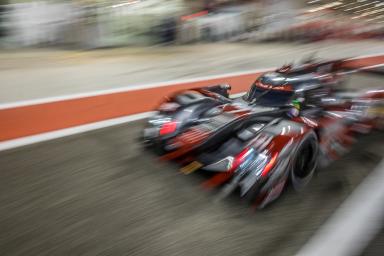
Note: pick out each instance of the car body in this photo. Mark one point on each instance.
(291, 121)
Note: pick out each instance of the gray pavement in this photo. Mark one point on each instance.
(376, 247)
(99, 193)
(39, 73)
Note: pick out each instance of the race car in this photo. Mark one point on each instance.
(190, 107)
(291, 121)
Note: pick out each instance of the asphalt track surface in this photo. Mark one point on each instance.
(99, 193)
(376, 247)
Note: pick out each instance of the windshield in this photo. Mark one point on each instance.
(273, 78)
(271, 89)
(268, 97)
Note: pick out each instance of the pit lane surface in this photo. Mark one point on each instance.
(376, 247)
(100, 194)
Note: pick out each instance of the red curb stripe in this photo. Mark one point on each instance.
(30, 120)
(365, 62)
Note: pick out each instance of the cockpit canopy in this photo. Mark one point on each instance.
(273, 79)
(270, 89)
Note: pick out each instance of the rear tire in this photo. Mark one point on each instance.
(305, 161)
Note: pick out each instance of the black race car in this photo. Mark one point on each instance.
(290, 121)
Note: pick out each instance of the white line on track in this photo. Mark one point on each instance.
(144, 86)
(366, 56)
(124, 89)
(364, 68)
(10, 144)
(354, 224)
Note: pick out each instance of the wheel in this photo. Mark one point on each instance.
(305, 161)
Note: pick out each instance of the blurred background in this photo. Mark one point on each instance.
(96, 24)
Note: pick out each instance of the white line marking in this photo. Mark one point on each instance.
(363, 68)
(373, 66)
(143, 86)
(354, 224)
(10, 144)
(366, 56)
(124, 89)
